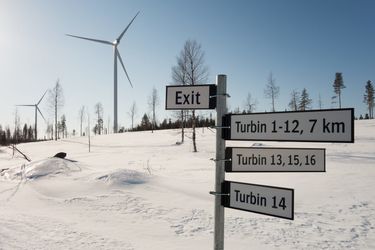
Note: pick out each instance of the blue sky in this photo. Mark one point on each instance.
(303, 43)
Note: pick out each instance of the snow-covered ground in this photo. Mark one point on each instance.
(143, 191)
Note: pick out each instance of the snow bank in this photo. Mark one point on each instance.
(124, 177)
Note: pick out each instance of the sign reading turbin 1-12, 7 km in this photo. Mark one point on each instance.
(331, 125)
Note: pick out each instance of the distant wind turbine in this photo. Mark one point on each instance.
(116, 56)
(36, 114)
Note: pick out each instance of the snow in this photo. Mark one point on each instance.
(143, 191)
(124, 177)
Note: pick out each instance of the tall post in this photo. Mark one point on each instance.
(115, 90)
(221, 109)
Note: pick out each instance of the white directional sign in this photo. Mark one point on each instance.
(268, 200)
(262, 159)
(333, 125)
(191, 97)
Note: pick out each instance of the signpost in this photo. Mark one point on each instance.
(268, 200)
(331, 125)
(180, 97)
(264, 159)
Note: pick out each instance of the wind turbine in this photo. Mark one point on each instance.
(36, 114)
(116, 56)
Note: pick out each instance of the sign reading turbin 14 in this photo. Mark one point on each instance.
(268, 200)
(191, 97)
(330, 125)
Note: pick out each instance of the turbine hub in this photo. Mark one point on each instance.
(116, 42)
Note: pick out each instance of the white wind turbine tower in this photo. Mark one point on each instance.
(116, 56)
(36, 114)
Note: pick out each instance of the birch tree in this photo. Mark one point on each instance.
(81, 114)
(132, 113)
(153, 101)
(272, 91)
(191, 67)
(250, 103)
(56, 102)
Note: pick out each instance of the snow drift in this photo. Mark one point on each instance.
(50, 167)
(124, 177)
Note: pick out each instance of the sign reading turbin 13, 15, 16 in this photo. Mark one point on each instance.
(330, 125)
(191, 97)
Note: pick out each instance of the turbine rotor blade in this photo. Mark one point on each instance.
(91, 39)
(122, 64)
(42, 97)
(127, 27)
(27, 105)
(41, 113)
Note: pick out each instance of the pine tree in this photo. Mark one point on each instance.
(369, 98)
(30, 134)
(99, 112)
(145, 123)
(293, 104)
(338, 85)
(305, 101)
(24, 132)
(8, 135)
(63, 126)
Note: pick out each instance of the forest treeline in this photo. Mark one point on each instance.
(26, 134)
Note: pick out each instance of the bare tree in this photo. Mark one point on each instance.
(272, 91)
(98, 109)
(294, 99)
(179, 76)
(320, 103)
(132, 113)
(56, 102)
(250, 104)
(108, 126)
(153, 101)
(81, 114)
(49, 130)
(191, 70)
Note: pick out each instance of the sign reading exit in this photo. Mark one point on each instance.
(191, 97)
